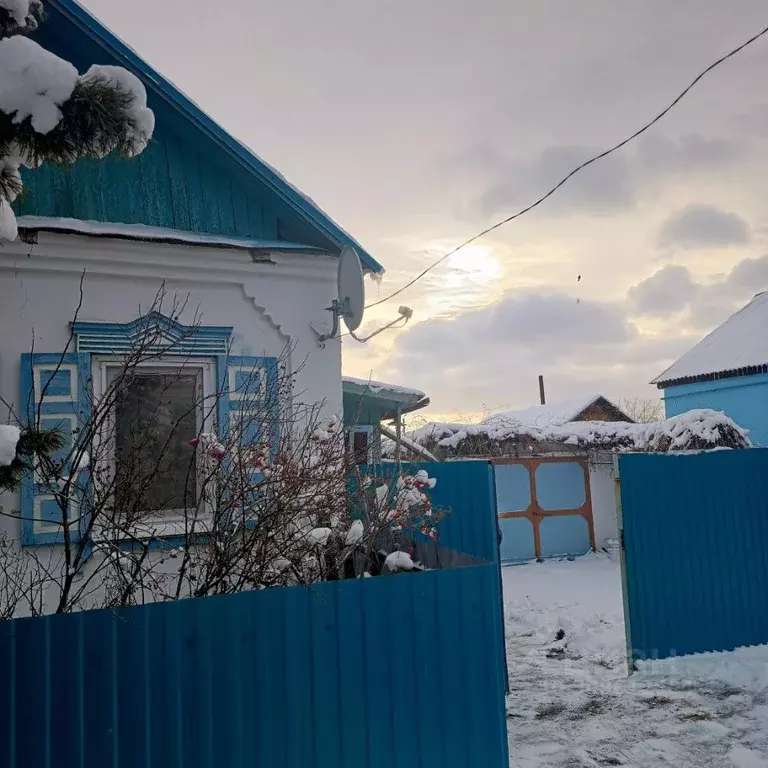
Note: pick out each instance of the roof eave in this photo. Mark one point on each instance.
(749, 370)
(397, 398)
(163, 87)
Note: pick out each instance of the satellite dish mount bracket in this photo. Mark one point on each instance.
(339, 308)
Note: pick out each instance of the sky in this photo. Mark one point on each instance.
(417, 124)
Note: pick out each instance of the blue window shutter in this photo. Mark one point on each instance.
(53, 396)
(249, 384)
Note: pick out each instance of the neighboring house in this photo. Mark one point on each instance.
(555, 471)
(366, 404)
(246, 263)
(587, 408)
(726, 371)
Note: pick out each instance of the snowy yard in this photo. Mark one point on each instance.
(572, 704)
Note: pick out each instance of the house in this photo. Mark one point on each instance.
(197, 248)
(554, 472)
(726, 371)
(367, 404)
(593, 407)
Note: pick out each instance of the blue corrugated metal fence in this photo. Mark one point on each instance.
(466, 489)
(389, 672)
(695, 531)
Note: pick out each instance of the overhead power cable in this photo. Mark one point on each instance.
(578, 168)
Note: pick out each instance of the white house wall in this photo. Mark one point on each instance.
(269, 305)
(602, 483)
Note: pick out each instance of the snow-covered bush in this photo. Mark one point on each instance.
(699, 429)
(50, 113)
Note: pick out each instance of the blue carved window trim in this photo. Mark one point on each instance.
(173, 337)
(170, 338)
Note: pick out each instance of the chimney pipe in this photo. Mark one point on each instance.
(542, 398)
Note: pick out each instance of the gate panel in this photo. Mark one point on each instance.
(564, 535)
(544, 507)
(695, 551)
(560, 485)
(564, 506)
(514, 505)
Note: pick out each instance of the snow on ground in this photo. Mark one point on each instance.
(572, 704)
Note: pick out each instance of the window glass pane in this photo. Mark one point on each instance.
(155, 418)
(361, 448)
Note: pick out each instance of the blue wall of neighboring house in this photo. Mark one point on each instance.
(743, 398)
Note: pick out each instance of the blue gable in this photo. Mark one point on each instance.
(193, 176)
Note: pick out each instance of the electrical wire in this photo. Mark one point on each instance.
(392, 324)
(578, 168)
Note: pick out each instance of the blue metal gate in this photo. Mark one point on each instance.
(695, 551)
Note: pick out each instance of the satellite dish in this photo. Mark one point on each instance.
(351, 288)
(350, 301)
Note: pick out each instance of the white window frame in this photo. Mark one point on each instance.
(165, 523)
(367, 429)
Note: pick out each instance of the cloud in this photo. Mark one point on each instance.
(601, 188)
(611, 184)
(553, 323)
(493, 355)
(704, 226)
(749, 275)
(673, 290)
(661, 155)
(669, 290)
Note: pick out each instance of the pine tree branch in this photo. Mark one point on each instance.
(95, 121)
(9, 25)
(32, 443)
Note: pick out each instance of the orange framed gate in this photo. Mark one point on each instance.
(544, 507)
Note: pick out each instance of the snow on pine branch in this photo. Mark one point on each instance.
(18, 10)
(9, 438)
(34, 83)
(141, 119)
(694, 430)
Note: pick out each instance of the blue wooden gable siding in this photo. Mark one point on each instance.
(169, 185)
(193, 176)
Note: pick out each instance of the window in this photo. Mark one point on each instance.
(358, 445)
(190, 384)
(159, 408)
(156, 415)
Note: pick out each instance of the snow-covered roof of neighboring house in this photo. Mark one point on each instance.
(146, 233)
(551, 413)
(694, 430)
(404, 395)
(737, 347)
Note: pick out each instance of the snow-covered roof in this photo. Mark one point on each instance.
(544, 415)
(382, 389)
(155, 234)
(739, 345)
(697, 429)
